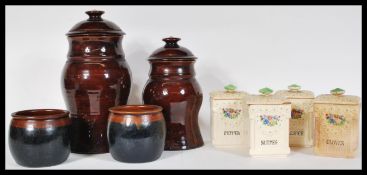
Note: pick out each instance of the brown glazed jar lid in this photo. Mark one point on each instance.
(95, 25)
(172, 51)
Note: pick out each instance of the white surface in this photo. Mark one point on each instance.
(208, 157)
(318, 47)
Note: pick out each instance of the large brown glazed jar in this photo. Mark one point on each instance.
(95, 78)
(173, 86)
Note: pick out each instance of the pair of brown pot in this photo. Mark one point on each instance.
(41, 137)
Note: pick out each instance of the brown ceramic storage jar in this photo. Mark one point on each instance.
(173, 86)
(95, 78)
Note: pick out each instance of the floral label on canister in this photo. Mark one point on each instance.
(231, 113)
(269, 120)
(335, 119)
(297, 113)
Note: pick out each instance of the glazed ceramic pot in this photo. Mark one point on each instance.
(269, 124)
(173, 86)
(229, 118)
(95, 78)
(136, 133)
(337, 124)
(40, 137)
(301, 124)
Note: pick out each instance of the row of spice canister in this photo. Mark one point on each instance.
(269, 124)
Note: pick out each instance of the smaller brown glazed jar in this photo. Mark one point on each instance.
(136, 133)
(172, 85)
(40, 137)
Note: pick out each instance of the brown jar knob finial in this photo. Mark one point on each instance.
(95, 15)
(171, 42)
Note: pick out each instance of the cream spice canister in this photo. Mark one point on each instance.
(229, 120)
(336, 124)
(269, 124)
(301, 124)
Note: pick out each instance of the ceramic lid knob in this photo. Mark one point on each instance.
(95, 15)
(171, 51)
(171, 42)
(266, 91)
(294, 87)
(230, 88)
(337, 91)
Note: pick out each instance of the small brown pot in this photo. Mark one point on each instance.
(40, 137)
(136, 133)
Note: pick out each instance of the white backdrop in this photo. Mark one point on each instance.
(318, 47)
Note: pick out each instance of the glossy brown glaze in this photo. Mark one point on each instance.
(40, 118)
(136, 114)
(173, 86)
(95, 78)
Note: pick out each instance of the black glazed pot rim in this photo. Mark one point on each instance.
(136, 109)
(40, 114)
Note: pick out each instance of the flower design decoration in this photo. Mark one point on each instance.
(231, 113)
(297, 113)
(270, 120)
(334, 119)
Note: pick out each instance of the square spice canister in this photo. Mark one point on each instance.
(336, 124)
(269, 124)
(301, 124)
(229, 120)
